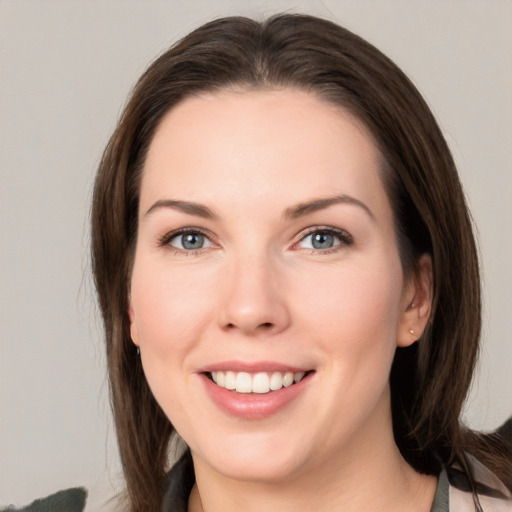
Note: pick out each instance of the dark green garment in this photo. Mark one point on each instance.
(68, 500)
(441, 498)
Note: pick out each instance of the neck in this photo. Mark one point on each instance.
(367, 474)
(403, 490)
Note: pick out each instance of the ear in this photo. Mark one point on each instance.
(134, 334)
(416, 303)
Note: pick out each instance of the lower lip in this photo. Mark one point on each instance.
(254, 406)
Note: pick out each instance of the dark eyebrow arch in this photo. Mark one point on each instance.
(189, 207)
(308, 207)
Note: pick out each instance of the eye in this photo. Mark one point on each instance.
(324, 239)
(188, 240)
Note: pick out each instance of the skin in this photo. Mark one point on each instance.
(258, 290)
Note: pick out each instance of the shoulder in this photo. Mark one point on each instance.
(454, 491)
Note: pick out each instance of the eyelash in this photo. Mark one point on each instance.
(165, 241)
(345, 240)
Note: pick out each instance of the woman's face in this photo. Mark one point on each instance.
(266, 253)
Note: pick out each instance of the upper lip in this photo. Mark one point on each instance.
(252, 367)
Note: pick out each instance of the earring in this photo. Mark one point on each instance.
(412, 331)
(138, 351)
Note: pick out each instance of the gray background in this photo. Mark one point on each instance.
(66, 68)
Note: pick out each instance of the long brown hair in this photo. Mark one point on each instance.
(429, 380)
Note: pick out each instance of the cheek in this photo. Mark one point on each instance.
(354, 309)
(169, 314)
(169, 307)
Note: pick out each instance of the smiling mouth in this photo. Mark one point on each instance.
(261, 382)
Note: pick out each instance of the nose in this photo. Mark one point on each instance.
(254, 297)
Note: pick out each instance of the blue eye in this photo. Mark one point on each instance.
(324, 239)
(189, 241)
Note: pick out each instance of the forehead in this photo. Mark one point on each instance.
(280, 144)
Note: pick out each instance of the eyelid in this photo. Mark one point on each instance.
(165, 240)
(344, 237)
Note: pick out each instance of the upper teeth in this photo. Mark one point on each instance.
(262, 382)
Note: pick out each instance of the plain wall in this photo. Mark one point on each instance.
(66, 68)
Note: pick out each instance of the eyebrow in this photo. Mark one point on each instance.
(189, 207)
(294, 212)
(308, 207)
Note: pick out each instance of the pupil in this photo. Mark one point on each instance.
(323, 240)
(192, 241)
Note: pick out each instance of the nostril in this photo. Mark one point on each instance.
(264, 326)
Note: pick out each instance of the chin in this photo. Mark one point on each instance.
(260, 469)
(254, 459)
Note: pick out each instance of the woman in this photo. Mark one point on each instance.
(288, 279)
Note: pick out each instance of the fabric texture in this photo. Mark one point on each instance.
(453, 492)
(441, 498)
(68, 500)
(492, 494)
